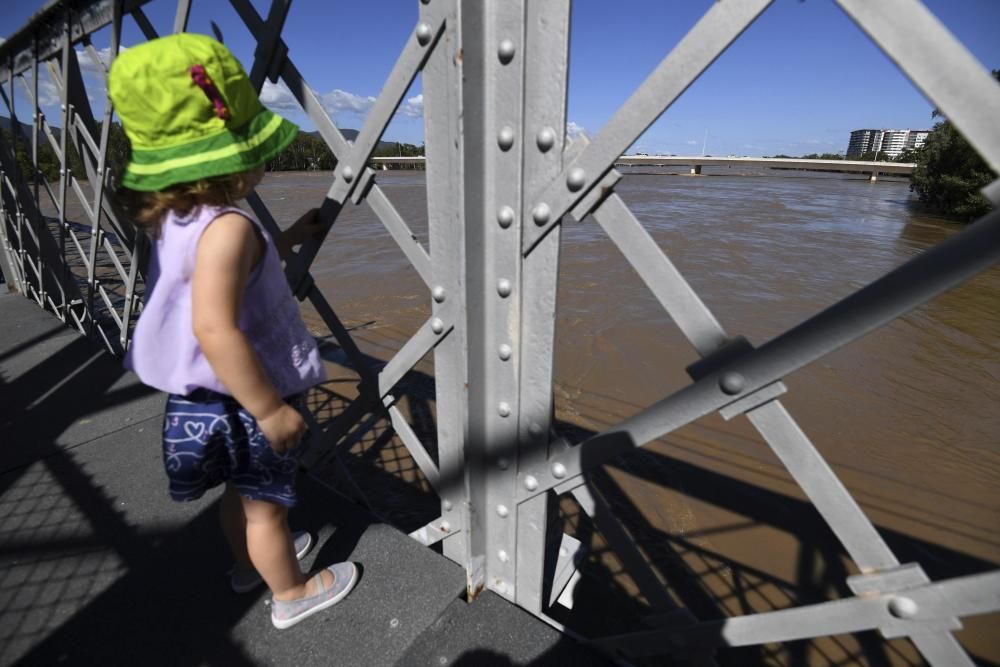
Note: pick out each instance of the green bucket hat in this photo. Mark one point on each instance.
(190, 112)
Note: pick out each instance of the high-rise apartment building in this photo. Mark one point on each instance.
(885, 143)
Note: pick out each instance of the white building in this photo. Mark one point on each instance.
(888, 144)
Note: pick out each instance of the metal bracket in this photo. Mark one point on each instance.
(434, 532)
(898, 580)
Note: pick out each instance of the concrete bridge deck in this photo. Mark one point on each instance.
(697, 162)
(98, 566)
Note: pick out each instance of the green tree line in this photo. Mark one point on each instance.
(950, 173)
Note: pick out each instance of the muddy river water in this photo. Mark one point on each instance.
(908, 417)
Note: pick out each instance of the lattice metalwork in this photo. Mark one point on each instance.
(500, 179)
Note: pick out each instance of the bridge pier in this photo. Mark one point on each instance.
(874, 177)
(696, 170)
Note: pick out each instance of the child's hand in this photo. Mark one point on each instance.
(306, 226)
(283, 428)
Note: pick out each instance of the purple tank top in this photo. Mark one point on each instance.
(164, 352)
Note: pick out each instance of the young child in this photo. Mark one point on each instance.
(220, 331)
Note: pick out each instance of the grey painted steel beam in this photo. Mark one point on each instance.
(543, 55)
(705, 42)
(904, 614)
(937, 64)
(46, 26)
(442, 85)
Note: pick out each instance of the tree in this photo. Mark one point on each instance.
(950, 173)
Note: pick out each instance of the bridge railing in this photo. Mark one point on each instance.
(500, 179)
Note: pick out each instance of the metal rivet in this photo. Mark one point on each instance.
(530, 483)
(558, 470)
(502, 555)
(504, 409)
(902, 607)
(445, 526)
(502, 511)
(447, 505)
(438, 294)
(501, 586)
(505, 216)
(505, 138)
(731, 382)
(423, 33)
(576, 178)
(546, 138)
(506, 51)
(505, 352)
(503, 287)
(347, 174)
(503, 463)
(540, 214)
(535, 430)
(437, 325)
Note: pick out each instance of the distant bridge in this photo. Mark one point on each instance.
(695, 163)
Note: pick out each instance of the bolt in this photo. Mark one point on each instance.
(447, 505)
(504, 409)
(546, 138)
(558, 470)
(505, 138)
(505, 352)
(503, 463)
(502, 511)
(530, 483)
(540, 214)
(731, 382)
(423, 34)
(503, 287)
(576, 178)
(505, 216)
(501, 586)
(438, 294)
(348, 174)
(502, 555)
(445, 526)
(902, 607)
(535, 430)
(506, 51)
(437, 325)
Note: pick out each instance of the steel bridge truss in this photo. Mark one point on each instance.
(501, 178)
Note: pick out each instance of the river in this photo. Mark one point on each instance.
(906, 416)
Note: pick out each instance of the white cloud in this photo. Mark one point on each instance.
(277, 97)
(340, 101)
(574, 129)
(413, 107)
(691, 142)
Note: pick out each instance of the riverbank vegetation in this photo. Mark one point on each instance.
(950, 173)
(307, 152)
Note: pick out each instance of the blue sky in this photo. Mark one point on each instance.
(797, 81)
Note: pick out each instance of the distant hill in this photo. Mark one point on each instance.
(351, 135)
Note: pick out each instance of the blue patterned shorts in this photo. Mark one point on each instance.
(208, 439)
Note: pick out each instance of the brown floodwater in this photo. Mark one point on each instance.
(907, 416)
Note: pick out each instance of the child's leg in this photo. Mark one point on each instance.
(269, 544)
(234, 527)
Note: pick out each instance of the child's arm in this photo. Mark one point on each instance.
(226, 253)
(306, 226)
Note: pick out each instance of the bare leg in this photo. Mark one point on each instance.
(234, 527)
(269, 544)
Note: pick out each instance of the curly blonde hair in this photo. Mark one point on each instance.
(147, 209)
